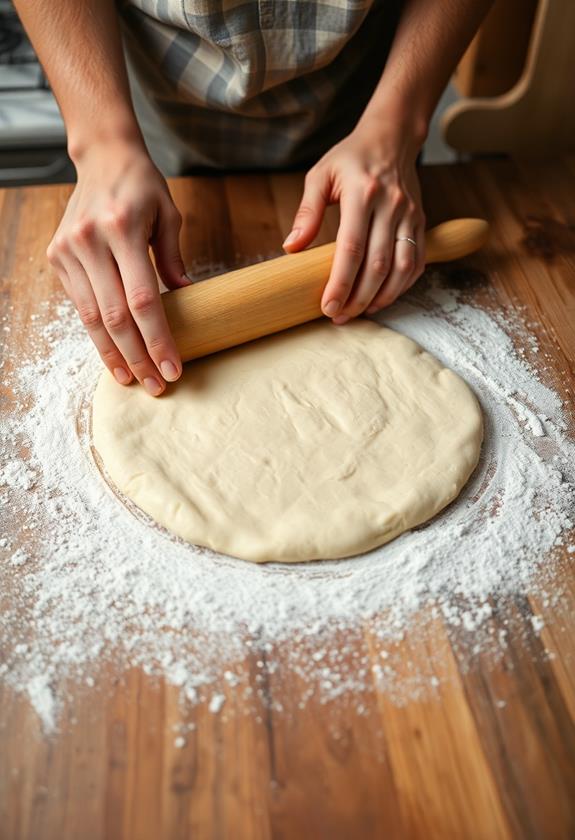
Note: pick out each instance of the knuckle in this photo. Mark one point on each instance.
(117, 219)
(396, 198)
(109, 355)
(371, 189)
(141, 300)
(411, 208)
(380, 265)
(158, 344)
(351, 247)
(116, 318)
(405, 265)
(142, 367)
(82, 231)
(51, 254)
(305, 211)
(89, 316)
(57, 247)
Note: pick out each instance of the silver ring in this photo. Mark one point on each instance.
(406, 239)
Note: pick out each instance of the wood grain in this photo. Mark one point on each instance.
(490, 753)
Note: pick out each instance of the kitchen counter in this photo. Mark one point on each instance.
(490, 754)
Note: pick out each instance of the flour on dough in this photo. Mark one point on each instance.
(319, 442)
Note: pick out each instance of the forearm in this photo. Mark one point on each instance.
(79, 45)
(431, 38)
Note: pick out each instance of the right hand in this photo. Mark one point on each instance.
(120, 205)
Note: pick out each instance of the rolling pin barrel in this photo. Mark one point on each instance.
(277, 294)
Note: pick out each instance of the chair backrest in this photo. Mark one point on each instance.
(537, 116)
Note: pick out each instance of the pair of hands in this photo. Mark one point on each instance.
(121, 206)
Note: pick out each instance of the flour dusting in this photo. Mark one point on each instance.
(87, 578)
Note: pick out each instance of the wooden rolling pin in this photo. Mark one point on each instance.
(281, 293)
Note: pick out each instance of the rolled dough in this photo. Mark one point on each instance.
(319, 442)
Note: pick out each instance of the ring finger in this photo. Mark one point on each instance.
(402, 270)
(420, 254)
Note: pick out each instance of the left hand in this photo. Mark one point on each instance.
(372, 174)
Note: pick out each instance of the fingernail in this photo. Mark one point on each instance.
(152, 386)
(291, 237)
(169, 370)
(122, 376)
(331, 308)
(185, 280)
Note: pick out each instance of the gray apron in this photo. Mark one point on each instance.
(253, 84)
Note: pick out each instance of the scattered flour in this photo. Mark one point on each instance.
(216, 703)
(87, 578)
(41, 696)
(16, 474)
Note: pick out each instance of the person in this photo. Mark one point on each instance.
(343, 88)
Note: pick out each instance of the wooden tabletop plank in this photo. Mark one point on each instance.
(488, 751)
(520, 710)
(557, 637)
(431, 740)
(521, 276)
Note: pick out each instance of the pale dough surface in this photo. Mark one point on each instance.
(319, 442)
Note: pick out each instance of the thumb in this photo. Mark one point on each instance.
(166, 247)
(309, 216)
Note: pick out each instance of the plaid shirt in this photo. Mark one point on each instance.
(258, 83)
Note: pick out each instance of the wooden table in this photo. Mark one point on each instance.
(455, 765)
